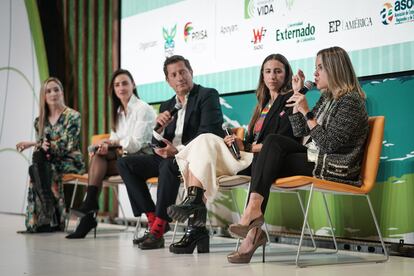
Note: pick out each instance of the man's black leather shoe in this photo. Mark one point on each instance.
(145, 236)
(141, 239)
(152, 242)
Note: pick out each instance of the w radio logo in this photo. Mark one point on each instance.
(387, 13)
(258, 34)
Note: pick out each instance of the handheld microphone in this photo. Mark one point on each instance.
(48, 138)
(233, 148)
(172, 111)
(308, 85)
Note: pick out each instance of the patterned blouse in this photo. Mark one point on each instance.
(65, 142)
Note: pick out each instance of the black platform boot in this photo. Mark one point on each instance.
(90, 204)
(86, 224)
(194, 236)
(192, 203)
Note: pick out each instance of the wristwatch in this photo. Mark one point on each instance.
(309, 116)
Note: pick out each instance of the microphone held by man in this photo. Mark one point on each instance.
(157, 138)
(158, 127)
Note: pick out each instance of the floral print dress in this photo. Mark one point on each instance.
(66, 157)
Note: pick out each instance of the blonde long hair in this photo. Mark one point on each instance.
(341, 73)
(263, 93)
(43, 107)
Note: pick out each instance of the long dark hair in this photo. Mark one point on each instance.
(263, 93)
(116, 102)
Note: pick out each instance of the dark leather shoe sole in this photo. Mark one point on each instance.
(150, 246)
(152, 243)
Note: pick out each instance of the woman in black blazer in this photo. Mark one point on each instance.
(208, 156)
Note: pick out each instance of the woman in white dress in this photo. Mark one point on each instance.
(208, 156)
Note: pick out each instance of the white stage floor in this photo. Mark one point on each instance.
(112, 253)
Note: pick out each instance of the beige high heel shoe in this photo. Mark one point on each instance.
(260, 239)
(240, 231)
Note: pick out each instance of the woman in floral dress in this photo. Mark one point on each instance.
(57, 152)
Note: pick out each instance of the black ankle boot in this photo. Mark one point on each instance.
(194, 236)
(192, 203)
(86, 224)
(90, 204)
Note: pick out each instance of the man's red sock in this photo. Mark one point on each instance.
(150, 218)
(158, 227)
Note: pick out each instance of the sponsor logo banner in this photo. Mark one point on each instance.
(299, 31)
(349, 24)
(256, 8)
(399, 12)
(191, 34)
(169, 44)
(258, 35)
(229, 29)
(143, 46)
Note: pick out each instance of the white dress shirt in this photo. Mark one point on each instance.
(179, 127)
(134, 131)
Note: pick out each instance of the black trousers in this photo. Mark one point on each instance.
(280, 156)
(136, 169)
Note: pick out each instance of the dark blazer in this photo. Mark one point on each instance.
(203, 114)
(276, 121)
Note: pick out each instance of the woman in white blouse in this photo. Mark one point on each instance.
(132, 124)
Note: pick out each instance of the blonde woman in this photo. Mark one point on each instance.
(337, 127)
(57, 151)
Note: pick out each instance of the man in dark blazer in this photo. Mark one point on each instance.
(200, 113)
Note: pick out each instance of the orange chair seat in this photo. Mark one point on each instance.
(152, 181)
(297, 181)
